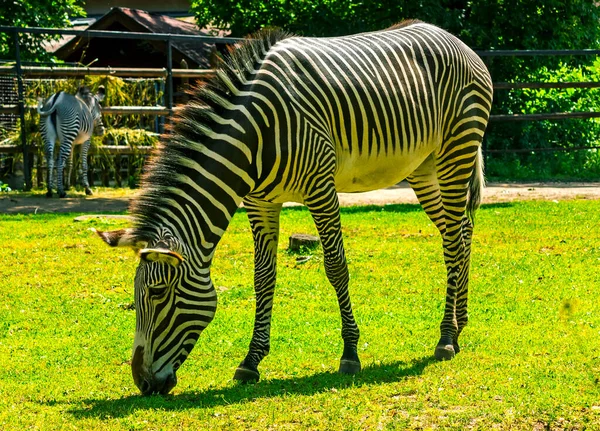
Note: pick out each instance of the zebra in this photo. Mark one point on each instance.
(71, 119)
(299, 119)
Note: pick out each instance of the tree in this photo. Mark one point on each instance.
(34, 13)
(481, 24)
(491, 24)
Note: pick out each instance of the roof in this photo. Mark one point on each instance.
(136, 20)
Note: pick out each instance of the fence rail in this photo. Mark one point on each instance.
(106, 110)
(167, 74)
(65, 72)
(122, 150)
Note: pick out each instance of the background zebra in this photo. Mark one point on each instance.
(298, 119)
(71, 120)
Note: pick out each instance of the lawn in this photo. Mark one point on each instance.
(530, 356)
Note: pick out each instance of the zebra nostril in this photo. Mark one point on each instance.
(145, 387)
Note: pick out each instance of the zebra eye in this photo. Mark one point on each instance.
(157, 289)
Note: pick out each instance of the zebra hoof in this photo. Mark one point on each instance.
(88, 191)
(349, 367)
(444, 352)
(246, 375)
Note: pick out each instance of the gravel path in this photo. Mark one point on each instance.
(402, 193)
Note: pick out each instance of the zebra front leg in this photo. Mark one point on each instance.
(264, 221)
(326, 214)
(84, 167)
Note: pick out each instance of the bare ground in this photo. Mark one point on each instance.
(402, 193)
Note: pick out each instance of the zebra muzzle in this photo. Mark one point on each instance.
(146, 382)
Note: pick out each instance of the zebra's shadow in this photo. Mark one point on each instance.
(240, 393)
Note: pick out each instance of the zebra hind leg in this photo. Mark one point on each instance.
(49, 144)
(50, 168)
(454, 188)
(264, 221)
(63, 154)
(84, 167)
(324, 209)
(444, 201)
(462, 295)
(69, 170)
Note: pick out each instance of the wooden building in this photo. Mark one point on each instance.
(102, 52)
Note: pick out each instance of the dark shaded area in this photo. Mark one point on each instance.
(241, 393)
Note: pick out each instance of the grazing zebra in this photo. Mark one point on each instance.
(71, 119)
(299, 119)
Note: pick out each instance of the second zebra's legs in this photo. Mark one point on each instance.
(85, 147)
(69, 170)
(64, 153)
(324, 208)
(264, 221)
(49, 151)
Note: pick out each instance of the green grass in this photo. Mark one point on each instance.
(530, 358)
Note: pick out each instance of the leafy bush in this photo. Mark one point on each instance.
(483, 25)
(561, 134)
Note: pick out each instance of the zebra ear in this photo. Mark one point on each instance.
(121, 238)
(162, 255)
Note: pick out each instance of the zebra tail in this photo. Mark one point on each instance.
(52, 108)
(476, 185)
(45, 113)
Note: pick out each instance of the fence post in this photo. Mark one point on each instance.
(169, 98)
(21, 105)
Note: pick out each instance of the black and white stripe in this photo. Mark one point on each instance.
(71, 120)
(300, 119)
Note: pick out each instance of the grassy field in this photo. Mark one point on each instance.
(530, 356)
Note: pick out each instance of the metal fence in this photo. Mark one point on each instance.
(16, 108)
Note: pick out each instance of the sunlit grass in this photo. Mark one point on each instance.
(530, 357)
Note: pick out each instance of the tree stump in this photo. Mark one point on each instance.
(299, 240)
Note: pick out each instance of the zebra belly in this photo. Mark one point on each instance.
(362, 173)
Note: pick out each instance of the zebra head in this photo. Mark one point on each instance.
(173, 303)
(92, 101)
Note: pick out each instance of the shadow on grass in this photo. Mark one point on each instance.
(241, 393)
(395, 208)
(497, 205)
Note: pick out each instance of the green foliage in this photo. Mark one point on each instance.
(532, 135)
(4, 188)
(483, 25)
(494, 24)
(35, 13)
(529, 356)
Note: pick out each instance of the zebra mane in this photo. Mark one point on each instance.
(405, 23)
(197, 119)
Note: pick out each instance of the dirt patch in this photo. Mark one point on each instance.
(42, 205)
(400, 194)
(493, 193)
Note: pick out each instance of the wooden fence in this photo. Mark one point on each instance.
(169, 73)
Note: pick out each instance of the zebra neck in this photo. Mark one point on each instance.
(191, 194)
